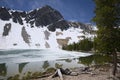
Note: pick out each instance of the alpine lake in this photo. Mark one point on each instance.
(26, 63)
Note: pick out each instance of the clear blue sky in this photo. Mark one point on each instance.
(76, 10)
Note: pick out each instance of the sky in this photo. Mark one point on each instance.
(73, 10)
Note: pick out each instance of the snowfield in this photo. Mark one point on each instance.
(37, 39)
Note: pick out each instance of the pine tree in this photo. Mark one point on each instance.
(107, 19)
(83, 45)
(86, 45)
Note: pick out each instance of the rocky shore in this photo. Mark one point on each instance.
(92, 73)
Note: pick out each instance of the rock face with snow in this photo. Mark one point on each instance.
(4, 14)
(43, 16)
(40, 28)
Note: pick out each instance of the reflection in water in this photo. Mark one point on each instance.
(3, 69)
(46, 64)
(22, 69)
(22, 63)
(21, 66)
(94, 59)
(36, 68)
(86, 60)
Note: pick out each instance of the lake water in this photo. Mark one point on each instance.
(14, 62)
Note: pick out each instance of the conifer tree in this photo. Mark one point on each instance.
(107, 19)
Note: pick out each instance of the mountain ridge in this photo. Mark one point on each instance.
(50, 27)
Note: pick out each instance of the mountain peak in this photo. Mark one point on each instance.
(40, 28)
(38, 17)
(44, 16)
(4, 13)
(48, 7)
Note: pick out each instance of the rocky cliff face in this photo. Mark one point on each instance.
(85, 27)
(42, 28)
(43, 16)
(4, 14)
(36, 18)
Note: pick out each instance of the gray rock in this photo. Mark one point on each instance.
(73, 73)
(25, 36)
(7, 29)
(47, 34)
(63, 25)
(16, 16)
(45, 16)
(4, 14)
(85, 27)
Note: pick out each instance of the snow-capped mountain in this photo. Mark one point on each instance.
(40, 28)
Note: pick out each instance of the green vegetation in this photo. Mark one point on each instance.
(21, 66)
(3, 69)
(83, 45)
(50, 70)
(46, 64)
(58, 65)
(30, 75)
(36, 74)
(16, 77)
(96, 59)
(107, 19)
(27, 76)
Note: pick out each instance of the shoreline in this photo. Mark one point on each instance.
(101, 73)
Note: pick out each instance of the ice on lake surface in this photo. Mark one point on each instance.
(21, 61)
(33, 55)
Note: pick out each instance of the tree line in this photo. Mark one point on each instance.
(83, 45)
(107, 41)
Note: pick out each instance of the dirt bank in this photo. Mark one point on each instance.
(103, 73)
